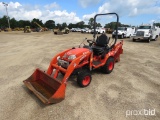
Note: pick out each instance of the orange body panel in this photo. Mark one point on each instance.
(115, 52)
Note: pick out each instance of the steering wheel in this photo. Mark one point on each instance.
(90, 41)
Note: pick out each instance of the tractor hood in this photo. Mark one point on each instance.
(77, 51)
(74, 53)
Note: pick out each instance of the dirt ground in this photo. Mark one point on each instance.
(133, 85)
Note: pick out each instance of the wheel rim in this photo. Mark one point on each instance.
(110, 67)
(86, 80)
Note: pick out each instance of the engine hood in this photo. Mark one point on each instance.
(74, 53)
(78, 51)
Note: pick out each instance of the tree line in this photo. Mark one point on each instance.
(50, 24)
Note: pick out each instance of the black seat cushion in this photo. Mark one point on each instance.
(101, 45)
(97, 50)
(102, 40)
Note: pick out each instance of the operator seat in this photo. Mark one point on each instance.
(101, 46)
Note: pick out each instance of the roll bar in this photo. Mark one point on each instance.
(94, 34)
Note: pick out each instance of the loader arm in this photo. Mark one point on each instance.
(54, 61)
(72, 66)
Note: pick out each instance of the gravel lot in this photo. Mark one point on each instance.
(134, 84)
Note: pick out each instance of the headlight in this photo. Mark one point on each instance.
(147, 34)
(71, 57)
(58, 57)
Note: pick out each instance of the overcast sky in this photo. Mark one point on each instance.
(132, 12)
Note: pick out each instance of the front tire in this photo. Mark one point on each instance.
(109, 66)
(149, 39)
(134, 40)
(84, 78)
(122, 36)
(156, 38)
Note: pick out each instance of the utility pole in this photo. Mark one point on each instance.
(5, 4)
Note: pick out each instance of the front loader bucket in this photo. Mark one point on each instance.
(46, 88)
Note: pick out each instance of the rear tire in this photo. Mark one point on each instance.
(109, 66)
(156, 38)
(84, 78)
(148, 40)
(122, 36)
(134, 40)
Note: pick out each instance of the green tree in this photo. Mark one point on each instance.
(33, 25)
(124, 25)
(80, 24)
(98, 25)
(13, 23)
(23, 23)
(112, 25)
(157, 24)
(50, 24)
(4, 22)
(70, 26)
(59, 26)
(91, 23)
(64, 25)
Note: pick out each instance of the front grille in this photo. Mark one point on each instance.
(140, 33)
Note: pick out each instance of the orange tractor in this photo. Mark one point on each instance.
(79, 61)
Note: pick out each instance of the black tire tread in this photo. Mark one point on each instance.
(105, 67)
(81, 76)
